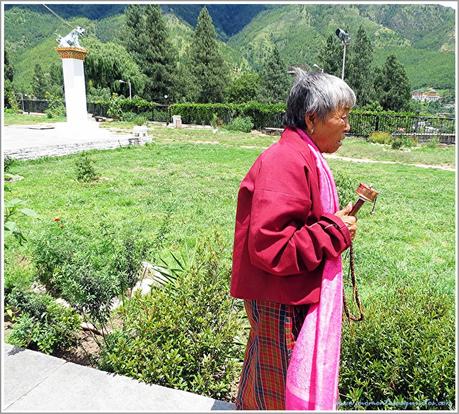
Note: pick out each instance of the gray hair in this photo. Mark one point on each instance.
(316, 93)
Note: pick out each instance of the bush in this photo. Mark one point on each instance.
(119, 105)
(433, 143)
(183, 334)
(8, 162)
(89, 271)
(56, 106)
(242, 124)
(404, 351)
(378, 137)
(42, 323)
(85, 168)
(397, 143)
(346, 188)
(262, 115)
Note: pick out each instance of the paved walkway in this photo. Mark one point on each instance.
(55, 139)
(35, 382)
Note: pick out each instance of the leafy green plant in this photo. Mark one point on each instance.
(85, 170)
(379, 137)
(402, 351)
(10, 228)
(183, 334)
(8, 163)
(56, 106)
(41, 323)
(345, 187)
(88, 271)
(242, 124)
(432, 143)
(214, 121)
(397, 143)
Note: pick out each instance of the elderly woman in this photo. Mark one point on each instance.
(288, 241)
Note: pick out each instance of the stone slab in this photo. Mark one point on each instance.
(24, 370)
(75, 388)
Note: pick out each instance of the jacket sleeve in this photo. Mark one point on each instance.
(279, 240)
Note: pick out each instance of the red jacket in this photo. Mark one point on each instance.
(282, 238)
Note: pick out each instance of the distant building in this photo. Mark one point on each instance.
(426, 96)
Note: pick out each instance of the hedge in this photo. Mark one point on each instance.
(363, 123)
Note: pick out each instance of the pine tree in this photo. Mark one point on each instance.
(208, 67)
(9, 71)
(40, 82)
(359, 70)
(274, 77)
(57, 79)
(392, 86)
(147, 40)
(331, 56)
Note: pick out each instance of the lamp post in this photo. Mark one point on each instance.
(345, 40)
(129, 84)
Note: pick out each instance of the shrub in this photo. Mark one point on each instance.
(118, 105)
(160, 116)
(404, 351)
(42, 323)
(262, 115)
(56, 106)
(346, 188)
(85, 170)
(12, 208)
(378, 137)
(242, 124)
(397, 143)
(404, 141)
(433, 142)
(8, 163)
(183, 334)
(89, 271)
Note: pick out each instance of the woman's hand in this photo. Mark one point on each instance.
(350, 221)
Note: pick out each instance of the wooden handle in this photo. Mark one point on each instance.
(356, 207)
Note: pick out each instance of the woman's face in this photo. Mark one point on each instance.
(329, 134)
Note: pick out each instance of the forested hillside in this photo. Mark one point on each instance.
(420, 36)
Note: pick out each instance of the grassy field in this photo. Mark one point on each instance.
(26, 119)
(197, 174)
(190, 178)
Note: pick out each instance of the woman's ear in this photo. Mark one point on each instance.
(309, 119)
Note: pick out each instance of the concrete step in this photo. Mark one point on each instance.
(35, 382)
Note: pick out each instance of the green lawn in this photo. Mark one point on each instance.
(190, 179)
(26, 119)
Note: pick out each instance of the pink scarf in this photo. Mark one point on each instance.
(312, 375)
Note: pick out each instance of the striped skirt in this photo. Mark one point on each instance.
(273, 332)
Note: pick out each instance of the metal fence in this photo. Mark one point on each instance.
(363, 124)
(32, 105)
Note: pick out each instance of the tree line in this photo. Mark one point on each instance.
(146, 57)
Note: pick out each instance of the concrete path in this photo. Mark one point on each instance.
(55, 139)
(35, 382)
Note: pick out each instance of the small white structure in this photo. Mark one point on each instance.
(72, 56)
(139, 135)
(177, 121)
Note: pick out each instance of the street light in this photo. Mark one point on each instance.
(318, 67)
(129, 84)
(345, 40)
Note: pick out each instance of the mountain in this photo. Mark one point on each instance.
(422, 36)
(228, 19)
(30, 36)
